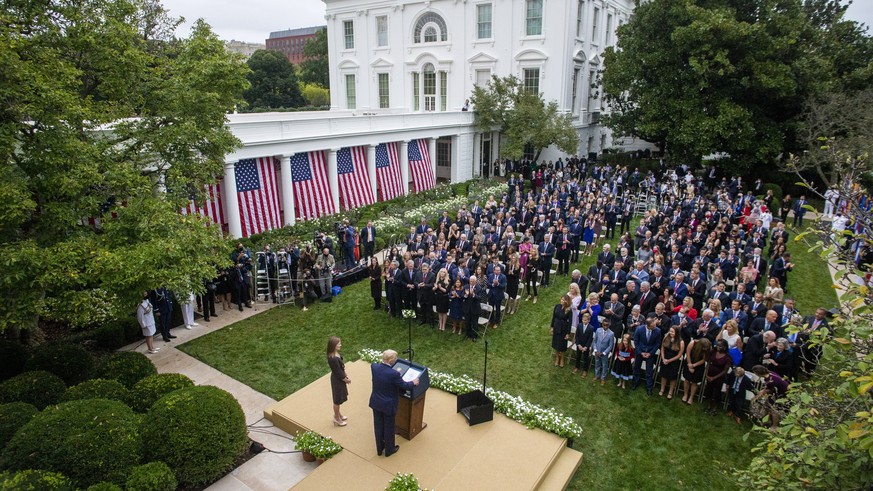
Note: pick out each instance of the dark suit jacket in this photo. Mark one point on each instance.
(650, 346)
(387, 384)
(647, 305)
(366, 236)
(753, 351)
(473, 303)
(607, 259)
(495, 292)
(584, 336)
(758, 326)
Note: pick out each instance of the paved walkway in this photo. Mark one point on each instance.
(267, 471)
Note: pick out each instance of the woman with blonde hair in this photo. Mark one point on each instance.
(773, 293)
(531, 275)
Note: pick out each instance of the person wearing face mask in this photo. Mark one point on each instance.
(146, 318)
(719, 364)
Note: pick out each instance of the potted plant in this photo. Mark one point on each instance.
(316, 447)
(403, 482)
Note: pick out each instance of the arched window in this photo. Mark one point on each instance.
(430, 28)
(430, 88)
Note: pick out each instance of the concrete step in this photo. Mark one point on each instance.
(562, 470)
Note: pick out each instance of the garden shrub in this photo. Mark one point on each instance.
(109, 336)
(127, 367)
(12, 417)
(198, 432)
(69, 361)
(777, 197)
(154, 476)
(39, 388)
(90, 441)
(104, 486)
(35, 480)
(13, 356)
(153, 387)
(98, 388)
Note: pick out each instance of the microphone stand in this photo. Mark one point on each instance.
(485, 374)
(410, 351)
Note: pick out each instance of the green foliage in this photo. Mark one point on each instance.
(101, 105)
(154, 476)
(315, 68)
(71, 362)
(112, 335)
(321, 447)
(198, 432)
(98, 388)
(38, 388)
(35, 480)
(127, 367)
(12, 417)
(403, 482)
(153, 387)
(90, 441)
(13, 356)
(104, 486)
(315, 95)
(777, 196)
(273, 82)
(525, 118)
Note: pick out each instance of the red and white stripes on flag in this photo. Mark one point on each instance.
(257, 192)
(212, 207)
(354, 181)
(309, 183)
(419, 166)
(388, 176)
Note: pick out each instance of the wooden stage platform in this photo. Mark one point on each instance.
(448, 455)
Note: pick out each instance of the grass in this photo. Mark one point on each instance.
(630, 441)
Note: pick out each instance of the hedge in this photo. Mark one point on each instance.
(90, 441)
(69, 361)
(12, 417)
(153, 387)
(104, 486)
(13, 356)
(38, 388)
(127, 367)
(154, 476)
(35, 480)
(98, 388)
(199, 432)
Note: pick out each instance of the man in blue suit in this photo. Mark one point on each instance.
(496, 284)
(387, 384)
(647, 341)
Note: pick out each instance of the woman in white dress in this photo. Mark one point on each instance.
(145, 315)
(730, 333)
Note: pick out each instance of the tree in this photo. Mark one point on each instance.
(315, 95)
(315, 68)
(105, 119)
(698, 78)
(273, 82)
(525, 118)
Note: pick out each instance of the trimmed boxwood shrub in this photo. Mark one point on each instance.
(154, 476)
(35, 480)
(152, 388)
(104, 486)
(38, 388)
(90, 441)
(127, 367)
(12, 417)
(13, 356)
(98, 388)
(198, 432)
(68, 361)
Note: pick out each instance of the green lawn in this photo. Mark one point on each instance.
(630, 441)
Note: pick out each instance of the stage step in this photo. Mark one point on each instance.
(562, 471)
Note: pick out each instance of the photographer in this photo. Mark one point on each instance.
(268, 261)
(324, 266)
(306, 262)
(348, 241)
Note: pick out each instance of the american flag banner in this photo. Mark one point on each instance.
(212, 207)
(354, 181)
(419, 166)
(388, 176)
(256, 190)
(312, 197)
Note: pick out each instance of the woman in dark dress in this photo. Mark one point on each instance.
(719, 363)
(375, 282)
(339, 381)
(695, 357)
(441, 297)
(513, 273)
(671, 354)
(456, 306)
(560, 329)
(784, 208)
(623, 367)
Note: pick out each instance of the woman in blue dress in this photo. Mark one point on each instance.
(456, 306)
(592, 306)
(588, 234)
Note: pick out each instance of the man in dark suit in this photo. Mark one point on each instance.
(647, 341)
(705, 327)
(785, 311)
(736, 313)
(496, 288)
(611, 219)
(606, 257)
(547, 252)
(595, 275)
(163, 302)
(407, 280)
(614, 311)
(755, 349)
(647, 300)
(368, 237)
(769, 323)
(394, 289)
(780, 268)
(424, 281)
(474, 296)
(581, 280)
(387, 384)
(809, 355)
(697, 290)
(719, 294)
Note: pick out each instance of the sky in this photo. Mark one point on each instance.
(253, 20)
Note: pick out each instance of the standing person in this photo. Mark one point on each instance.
(163, 302)
(513, 276)
(799, 209)
(424, 291)
(647, 340)
(188, 311)
(224, 288)
(531, 275)
(208, 298)
(146, 318)
(695, 356)
(584, 339)
(349, 240)
(496, 291)
(387, 384)
(560, 329)
(456, 306)
(671, 355)
(474, 295)
(368, 237)
(719, 363)
(375, 282)
(784, 208)
(324, 266)
(339, 380)
(602, 346)
(441, 288)
(546, 253)
(624, 359)
(737, 385)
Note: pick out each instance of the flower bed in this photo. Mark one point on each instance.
(321, 447)
(527, 413)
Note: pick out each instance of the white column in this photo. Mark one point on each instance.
(371, 169)
(495, 139)
(404, 165)
(287, 191)
(231, 200)
(333, 178)
(431, 148)
(477, 155)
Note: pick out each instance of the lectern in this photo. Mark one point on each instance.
(410, 411)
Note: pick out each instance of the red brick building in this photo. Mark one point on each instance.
(291, 41)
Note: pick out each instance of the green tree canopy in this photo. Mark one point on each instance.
(314, 69)
(273, 82)
(525, 118)
(102, 113)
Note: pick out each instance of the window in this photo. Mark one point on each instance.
(429, 87)
(595, 36)
(384, 99)
(444, 81)
(532, 80)
(430, 28)
(608, 29)
(349, 33)
(483, 21)
(416, 91)
(529, 151)
(580, 16)
(592, 89)
(483, 77)
(444, 153)
(382, 30)
(351, 99)
(534, 17)
(575, 83)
